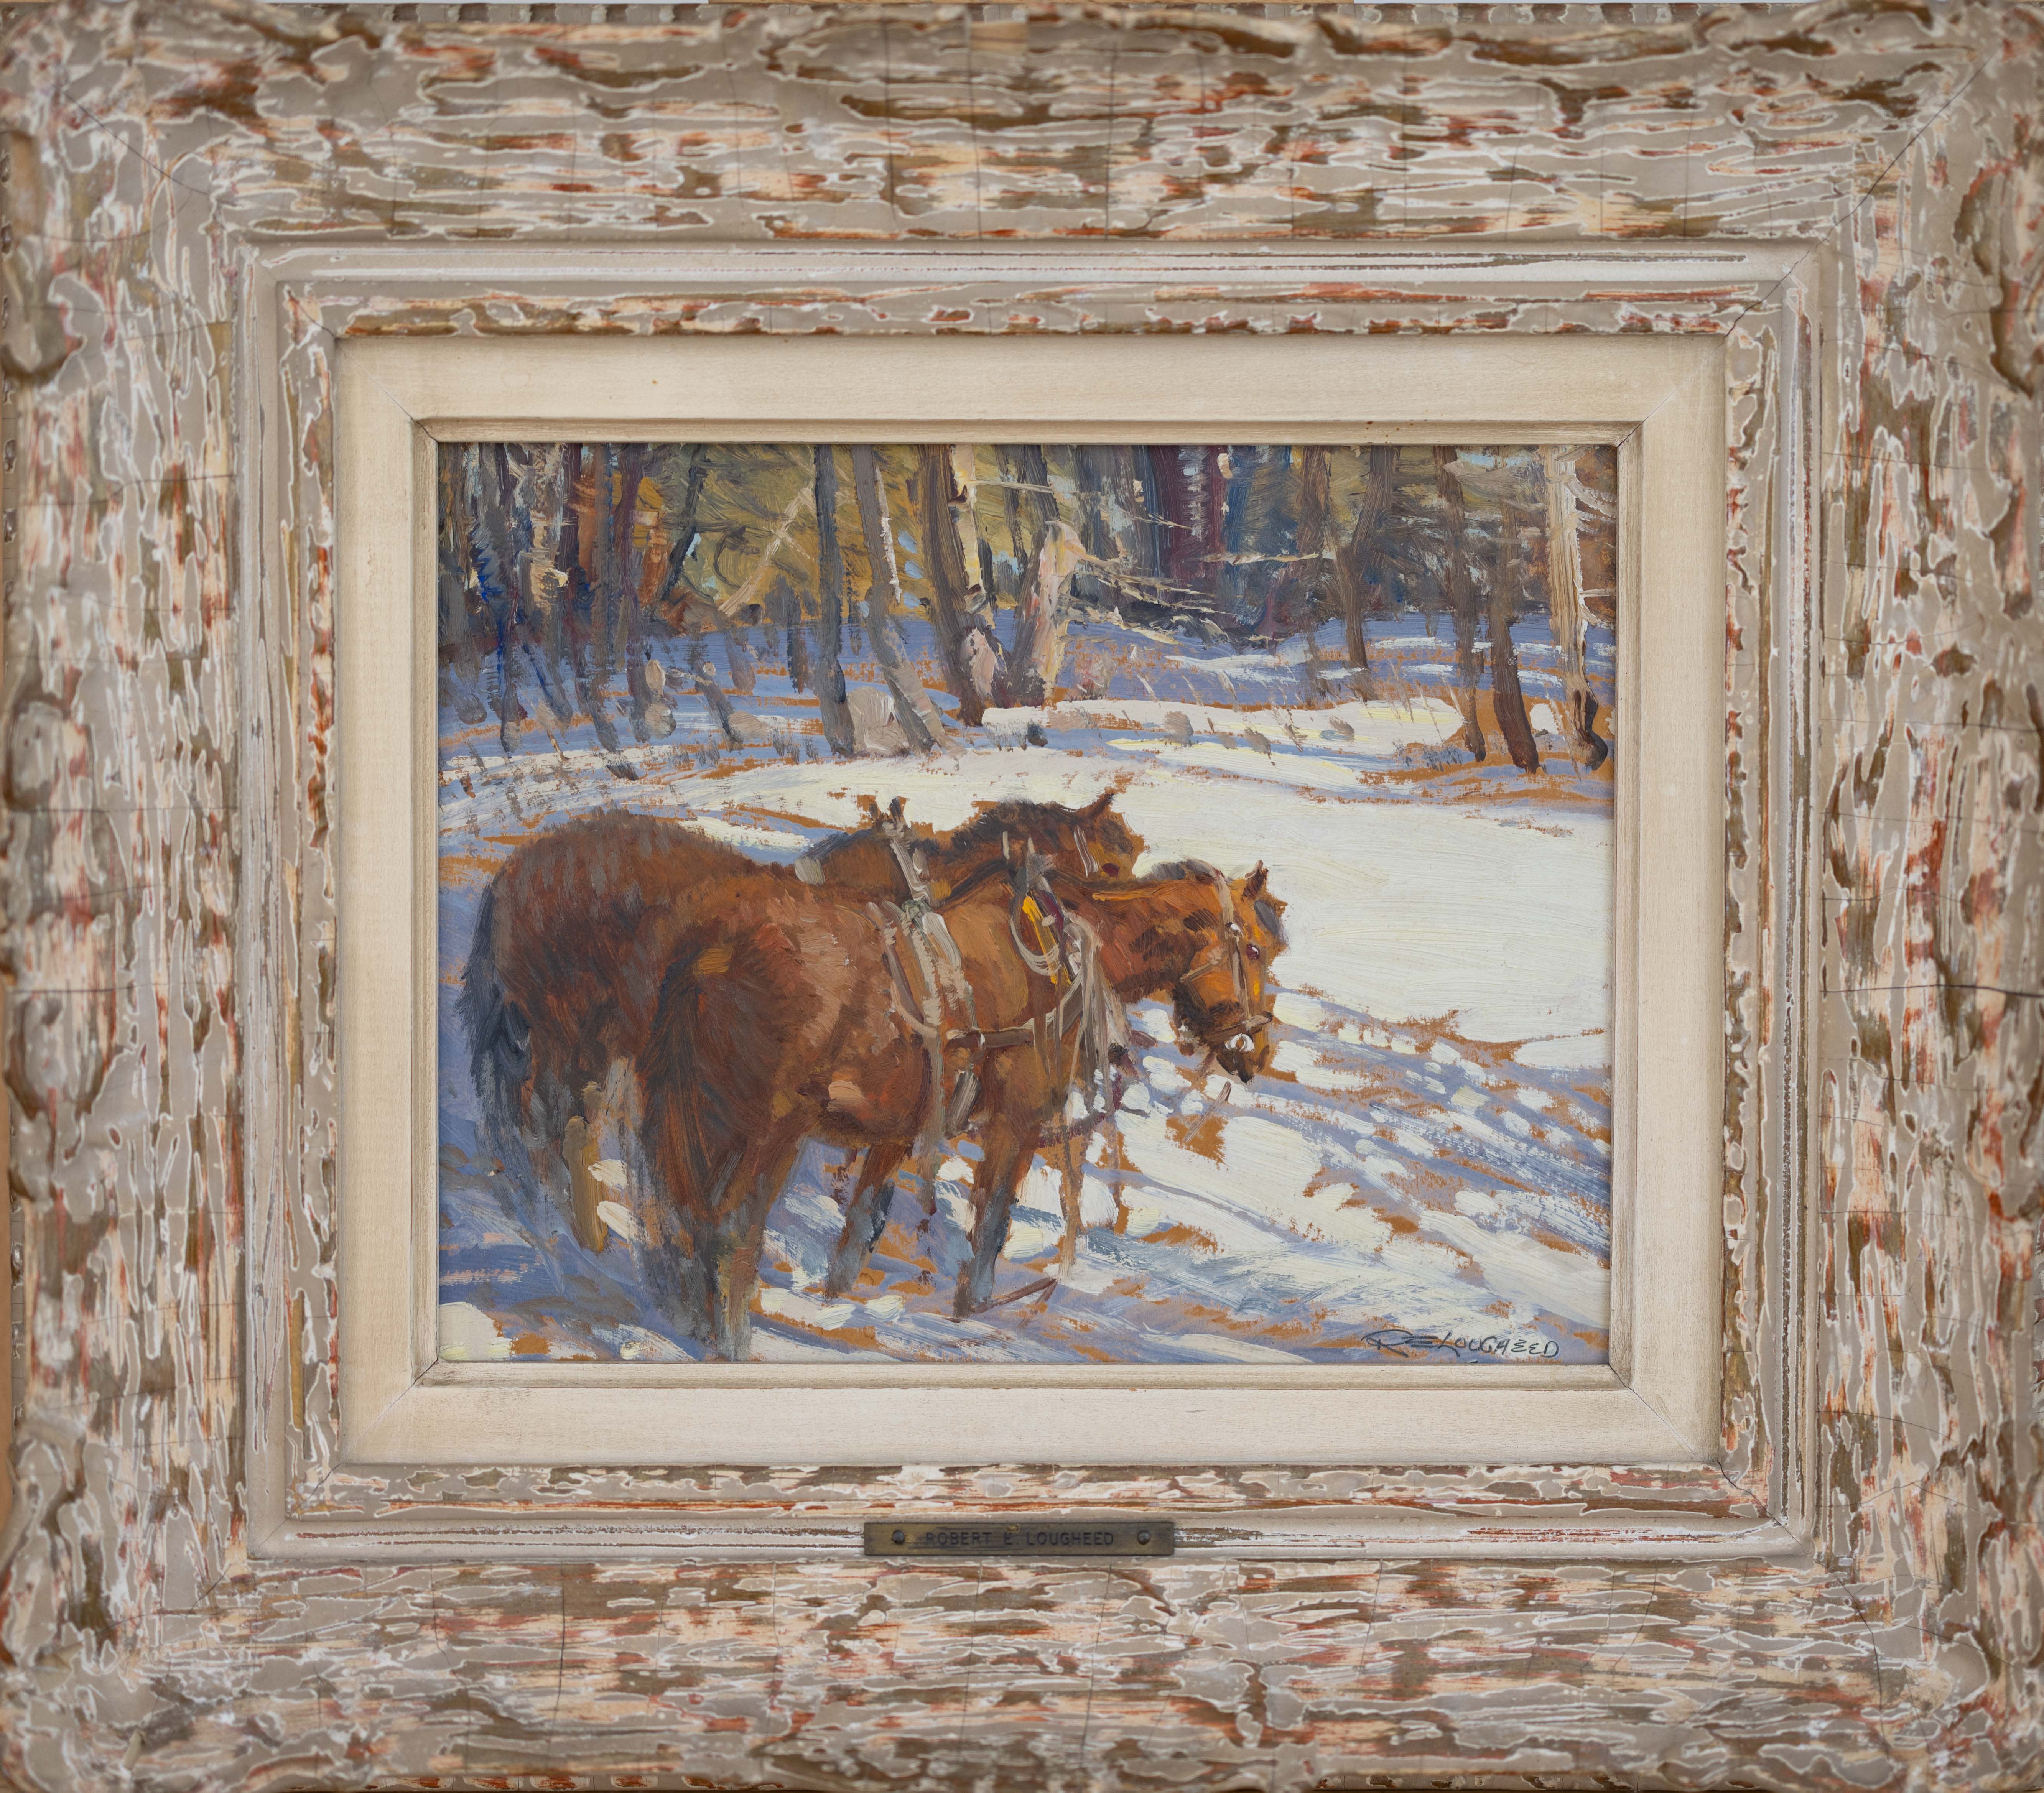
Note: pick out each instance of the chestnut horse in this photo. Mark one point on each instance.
(785, 1013)
(558, 984)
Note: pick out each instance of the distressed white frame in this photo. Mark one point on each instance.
(1661, 398)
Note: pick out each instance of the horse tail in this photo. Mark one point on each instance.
(500, 1042)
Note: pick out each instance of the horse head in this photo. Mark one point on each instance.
(1223, 1003)
(1092, 842)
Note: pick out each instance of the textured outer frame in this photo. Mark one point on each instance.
(169, 1069)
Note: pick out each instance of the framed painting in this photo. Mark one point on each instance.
(661, 663)
(859, 973)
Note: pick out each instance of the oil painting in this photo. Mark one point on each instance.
(1026, 903)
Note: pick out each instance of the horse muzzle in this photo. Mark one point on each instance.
(1246, 1051)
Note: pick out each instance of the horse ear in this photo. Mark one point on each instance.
(1098, 807)
(1253, 886)
(869, 807)
(898, 807)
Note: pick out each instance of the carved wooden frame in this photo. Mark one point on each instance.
(1847, 1597)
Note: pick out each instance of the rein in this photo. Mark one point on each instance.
(1057, 947)
(918, 924)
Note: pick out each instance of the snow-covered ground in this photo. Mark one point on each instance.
(1424, 1174)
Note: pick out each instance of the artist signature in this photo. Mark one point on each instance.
(1400, 1343)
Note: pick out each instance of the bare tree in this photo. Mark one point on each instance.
(499, 565)
(951, 553)
(1354, 560)
(461, 668)
(593, 654)
(1309, 532)
(787, 610)
(679, 606)
(1507, 699)
(1026, 497)
(830, 601)
(918, 717)
(1462, 602)
(624, 565)
(1566, 608)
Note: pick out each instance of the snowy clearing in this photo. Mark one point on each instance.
(1424, 1174)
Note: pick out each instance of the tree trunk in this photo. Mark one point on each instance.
(830, 609)
(1353, 575)
(461, 661)
(917, 715)
(1462, 602)
(1038, 649)
(707, 688)
(1031, 509)
(681, 529)
(500, 566)
(592, 665)
(739, 658)
(1174, 508)
(1565, 607)
(951, 552)
(787, 607)
(578, 600)
(1099, 473)
(1232, 476)
(627, 566)
(1506, 697)
(544, 497)
(1147, 545)
(1100, 476)
(1299, 592)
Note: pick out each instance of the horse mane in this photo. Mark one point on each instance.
(1009, 816)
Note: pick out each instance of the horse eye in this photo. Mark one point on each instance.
(1111, 869)
(1253, 950)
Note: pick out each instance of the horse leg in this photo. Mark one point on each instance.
(865, 1217)
(1007, 1145)
(1071, 1192)
(730, 1252)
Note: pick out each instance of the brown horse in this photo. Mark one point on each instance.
(785, 1013)
(564, 965)
(1092, 842)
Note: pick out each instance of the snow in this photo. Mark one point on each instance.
(1428, 1160)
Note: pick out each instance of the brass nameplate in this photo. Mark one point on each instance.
(1050, 1535)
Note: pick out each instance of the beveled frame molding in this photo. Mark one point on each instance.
(425, 1417)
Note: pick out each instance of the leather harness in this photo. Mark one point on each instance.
(915, 929)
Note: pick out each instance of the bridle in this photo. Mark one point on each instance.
(1225, 960)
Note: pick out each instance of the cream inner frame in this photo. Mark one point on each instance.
(1660, 399)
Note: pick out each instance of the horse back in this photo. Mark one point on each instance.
(574, 930)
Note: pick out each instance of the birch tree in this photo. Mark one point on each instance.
(918, 717)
